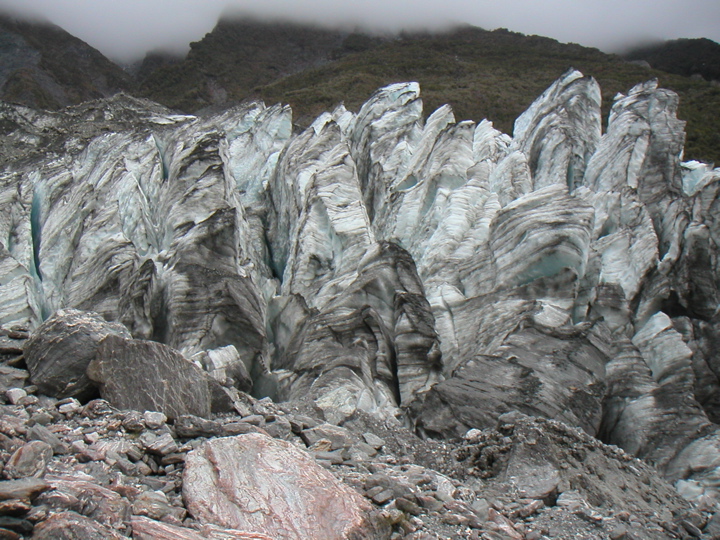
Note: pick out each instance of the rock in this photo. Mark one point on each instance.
(12, 378)
(59, 351)
(26, 488)
(192, 426)
(39, 432)
(15, 507)
(14, 395)
(133, 421)
(17, 525)
(339, 437)
(148, 376)
(225, 366)
(373, 440)
(6, 534)
(162, 446)
(303, 501)
(154, 419)
(148, 529)
(89, 499)
(72, 526)
(29, 460)
(155, 505)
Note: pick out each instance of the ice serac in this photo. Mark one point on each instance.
(538, 370)
(384, 132)
(560, 130)
(386, 262)
(374, 346)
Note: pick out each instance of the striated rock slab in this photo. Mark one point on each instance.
(59, 351)
(255, 483)
(149, 376)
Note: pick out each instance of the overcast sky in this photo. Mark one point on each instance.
(125, 29)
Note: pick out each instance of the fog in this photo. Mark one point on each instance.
(126, 30)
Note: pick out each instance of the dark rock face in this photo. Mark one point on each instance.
(44, 66)
(58, 354)
(149, 376)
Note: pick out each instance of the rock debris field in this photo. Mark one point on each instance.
(385, 326)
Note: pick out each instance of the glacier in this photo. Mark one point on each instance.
(387, 262)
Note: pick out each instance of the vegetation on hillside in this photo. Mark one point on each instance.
(687, 57)
(482, 74)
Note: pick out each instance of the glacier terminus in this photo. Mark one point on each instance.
(424, 268)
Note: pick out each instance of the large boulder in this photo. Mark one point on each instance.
(255, 483)
(149, 376)
(59, 351)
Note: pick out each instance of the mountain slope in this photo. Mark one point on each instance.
(43, 66)
(686, 57)
(238, 56)
(482, 74)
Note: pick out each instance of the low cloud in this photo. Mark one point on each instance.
(126, 30)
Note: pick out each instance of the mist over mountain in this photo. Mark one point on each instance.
(43, 66)
(482, 74)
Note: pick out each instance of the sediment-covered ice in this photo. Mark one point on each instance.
(385, 261)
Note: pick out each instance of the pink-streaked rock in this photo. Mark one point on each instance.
(148, 529)
(255, 483)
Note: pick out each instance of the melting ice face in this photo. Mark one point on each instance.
(379, 260)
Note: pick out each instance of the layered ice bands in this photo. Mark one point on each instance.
(392, 262)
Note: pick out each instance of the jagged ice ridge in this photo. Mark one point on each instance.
(385, 262)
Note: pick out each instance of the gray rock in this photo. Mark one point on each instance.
(26, 488)
(148, 376)
(11, 377)
(192, 426)
(39, 432)
(14, 395)
(71, 526)
(31, 459)
(339, 437)
(154, 419)
(59, 351)
(225, 366)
